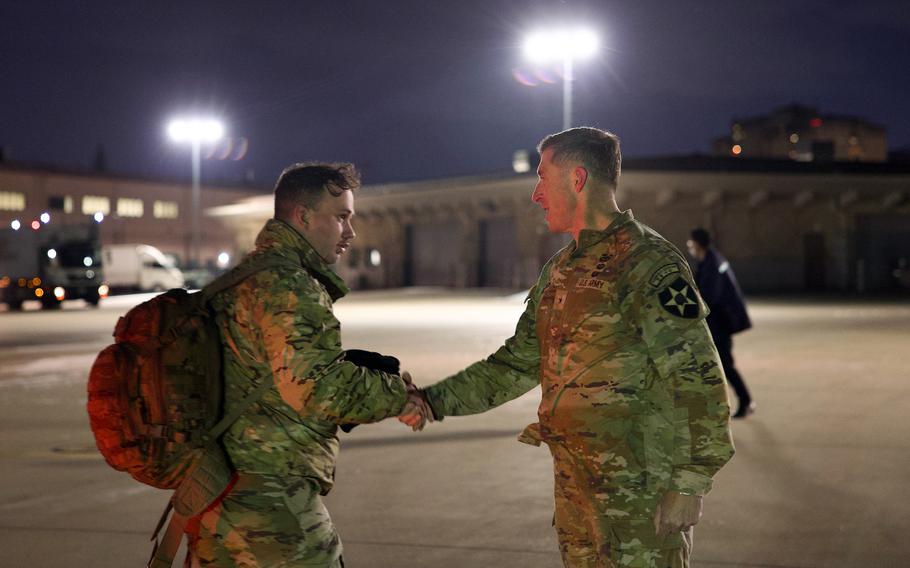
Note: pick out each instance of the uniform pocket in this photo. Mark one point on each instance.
(634, 543)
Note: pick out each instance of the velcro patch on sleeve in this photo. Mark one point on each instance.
(662, 273)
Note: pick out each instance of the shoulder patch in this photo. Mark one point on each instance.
(679, 299)
(662, 273)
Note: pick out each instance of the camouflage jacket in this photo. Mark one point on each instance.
(614, 334)
(279, 324)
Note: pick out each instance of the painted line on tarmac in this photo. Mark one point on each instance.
(109, 496)
(63, 346)
(69, 530)
(554, 553)
(413, 438)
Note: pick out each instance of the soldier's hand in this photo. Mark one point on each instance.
(416, 412)
(408, 382)
(676, 512)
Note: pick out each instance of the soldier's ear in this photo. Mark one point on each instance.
(579, 178)
(302, 214)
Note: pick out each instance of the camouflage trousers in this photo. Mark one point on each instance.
(592, 534)
(266, 522)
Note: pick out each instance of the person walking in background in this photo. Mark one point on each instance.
(720, 290)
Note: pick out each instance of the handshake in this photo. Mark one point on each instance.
(416, 412)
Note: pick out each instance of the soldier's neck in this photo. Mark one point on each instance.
(595, 217)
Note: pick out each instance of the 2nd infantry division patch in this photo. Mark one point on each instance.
(679, 299)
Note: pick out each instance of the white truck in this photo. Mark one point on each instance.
(141, 267)
(50, 263)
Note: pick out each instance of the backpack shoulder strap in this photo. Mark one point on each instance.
(240, 273)
(228, 420)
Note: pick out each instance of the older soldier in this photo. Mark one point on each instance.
(278, 325)
(634, 407)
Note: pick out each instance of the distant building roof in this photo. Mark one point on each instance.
(42, 168)
(801, 111)
(705, 163)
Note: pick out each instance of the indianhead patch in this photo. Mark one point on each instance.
(679, 299)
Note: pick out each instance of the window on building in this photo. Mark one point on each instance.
(92, 204)
(165, 209)
(60, 203)
(12, 201)
(128, 207)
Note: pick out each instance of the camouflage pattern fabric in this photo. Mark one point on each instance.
(267, 521)
(279, 324)
(633, 403)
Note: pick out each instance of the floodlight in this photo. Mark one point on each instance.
(559, 45)
(195, 130)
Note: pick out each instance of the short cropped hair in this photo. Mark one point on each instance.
(702, 237)
(306, 184)
(597, 150)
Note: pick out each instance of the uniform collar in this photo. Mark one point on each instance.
(279, 238)
(590, 237)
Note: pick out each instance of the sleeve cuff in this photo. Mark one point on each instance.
(435, 404)
(690, 483)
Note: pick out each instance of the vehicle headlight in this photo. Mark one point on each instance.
(103, 291)
(59, 293)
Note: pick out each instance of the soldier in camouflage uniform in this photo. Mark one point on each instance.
(278, 324)
(634, 407)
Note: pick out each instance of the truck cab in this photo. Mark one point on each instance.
(50, 264)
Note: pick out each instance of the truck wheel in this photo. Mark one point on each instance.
(93, 301)
(15, 305)
(50, 303)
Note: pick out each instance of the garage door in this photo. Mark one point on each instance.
(498, 261)
(433, 254)
(881, 242)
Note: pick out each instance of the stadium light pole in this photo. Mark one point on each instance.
(565, 45)
(195, 131)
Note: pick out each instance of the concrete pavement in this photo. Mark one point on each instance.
(819, 480)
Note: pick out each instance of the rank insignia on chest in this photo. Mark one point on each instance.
(559, 301)
(679, 299)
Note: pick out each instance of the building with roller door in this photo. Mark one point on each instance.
(787, 226)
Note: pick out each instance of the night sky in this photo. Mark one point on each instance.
(424, 89)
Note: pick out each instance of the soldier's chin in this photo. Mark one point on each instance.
(330, 258)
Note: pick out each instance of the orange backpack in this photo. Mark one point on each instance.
(155, 401)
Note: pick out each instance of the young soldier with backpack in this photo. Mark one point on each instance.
(250, 465)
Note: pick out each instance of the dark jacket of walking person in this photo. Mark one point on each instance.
(720, 290)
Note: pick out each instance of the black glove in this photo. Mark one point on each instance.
(374, 361)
